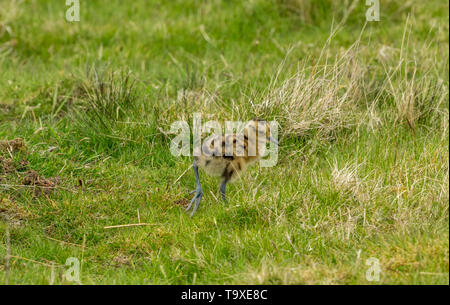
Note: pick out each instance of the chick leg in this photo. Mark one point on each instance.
(198, 193)
(223, 188)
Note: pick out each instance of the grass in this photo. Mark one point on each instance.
(363, 164)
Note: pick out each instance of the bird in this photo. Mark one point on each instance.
(229, 155)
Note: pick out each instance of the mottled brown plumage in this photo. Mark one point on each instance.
(229, 155)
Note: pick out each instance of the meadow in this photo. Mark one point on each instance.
(363, 165)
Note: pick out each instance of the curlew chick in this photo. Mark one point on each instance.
(229, 155)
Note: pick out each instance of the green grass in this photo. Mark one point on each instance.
(363, 163)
